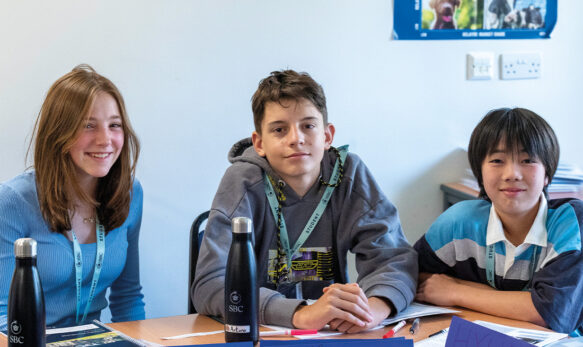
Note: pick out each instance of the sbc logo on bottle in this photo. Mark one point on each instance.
(235, 299)
(15, 330)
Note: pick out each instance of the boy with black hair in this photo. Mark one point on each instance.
(310, 204)
(513, 253)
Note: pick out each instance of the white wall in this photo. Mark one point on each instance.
(187, 70)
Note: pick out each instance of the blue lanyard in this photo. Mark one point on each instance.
(96, 271)
(316, 215)
(491, 265)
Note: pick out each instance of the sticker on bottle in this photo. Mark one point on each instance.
(238, 329)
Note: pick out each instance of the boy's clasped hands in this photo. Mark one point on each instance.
(350, 309)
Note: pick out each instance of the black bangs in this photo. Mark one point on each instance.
(517, 133)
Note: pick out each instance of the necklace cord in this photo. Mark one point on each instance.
(281, 269)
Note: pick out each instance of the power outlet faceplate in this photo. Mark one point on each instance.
(515, 66)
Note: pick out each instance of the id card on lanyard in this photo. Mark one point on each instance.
(491, 265)
(314, 218)
(96, 271)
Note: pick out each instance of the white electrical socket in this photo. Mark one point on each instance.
(515, 66)
(480, 65)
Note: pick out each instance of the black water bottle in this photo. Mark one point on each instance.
(26, 303)
(241, 291)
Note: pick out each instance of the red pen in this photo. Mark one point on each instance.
(289, 332)
(393, 331)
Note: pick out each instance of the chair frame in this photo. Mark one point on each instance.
(196, 236)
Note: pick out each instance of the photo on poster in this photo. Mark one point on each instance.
(514, 14)
(473, 19)
(452, 14)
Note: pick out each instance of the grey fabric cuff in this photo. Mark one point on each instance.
(280, 310)
(393, 295)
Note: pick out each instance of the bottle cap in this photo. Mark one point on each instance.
(25, 248)
(242, 225)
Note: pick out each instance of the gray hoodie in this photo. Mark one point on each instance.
(358, 218)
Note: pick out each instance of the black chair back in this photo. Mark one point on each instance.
(196, 235)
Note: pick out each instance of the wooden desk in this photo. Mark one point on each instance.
(456, 192)
(152, 329)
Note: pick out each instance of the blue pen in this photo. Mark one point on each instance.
(414, 326)
(439, 332)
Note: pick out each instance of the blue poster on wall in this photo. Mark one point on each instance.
(473, 19)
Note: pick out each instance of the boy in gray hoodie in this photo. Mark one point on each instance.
(310, 204)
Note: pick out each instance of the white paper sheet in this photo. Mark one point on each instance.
(418, 310)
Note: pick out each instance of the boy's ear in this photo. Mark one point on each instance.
(546, 180)
(329, 131)
(257, 143)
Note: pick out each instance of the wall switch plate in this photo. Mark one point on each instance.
(480, 65)
(515, 66)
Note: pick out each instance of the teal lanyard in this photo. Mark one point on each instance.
(96, 271)
(316, 215)
(491, 265)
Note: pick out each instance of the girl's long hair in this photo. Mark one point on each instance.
(63, 113)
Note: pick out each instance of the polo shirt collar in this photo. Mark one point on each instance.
(537, 235)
